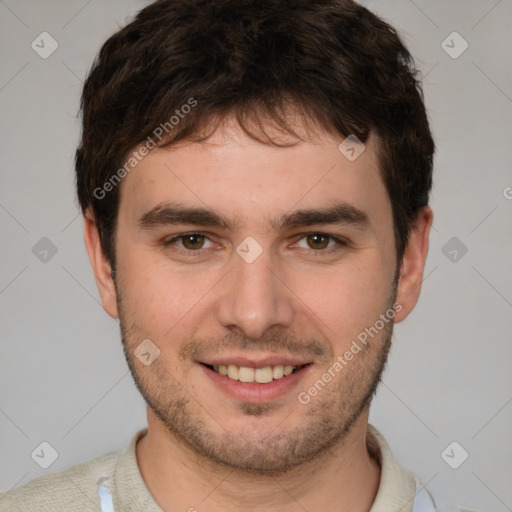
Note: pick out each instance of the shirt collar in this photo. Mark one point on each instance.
(396, 490)
(397, 486)
(130, 493)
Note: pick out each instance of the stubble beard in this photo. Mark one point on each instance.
(322, 424)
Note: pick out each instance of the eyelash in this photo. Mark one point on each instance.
(317, 252)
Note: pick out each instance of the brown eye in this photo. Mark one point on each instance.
(318, 241)
(193, 242)
(189, 244)
(321, 244)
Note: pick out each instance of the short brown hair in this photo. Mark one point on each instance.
(343, 67)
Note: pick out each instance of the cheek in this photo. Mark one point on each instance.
(148, 293)
(340, 301)
(160, 298)
(346, 300)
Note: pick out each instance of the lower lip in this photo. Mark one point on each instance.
(253, 392)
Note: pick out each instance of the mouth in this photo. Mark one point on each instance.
(262, 375)
(257, 380)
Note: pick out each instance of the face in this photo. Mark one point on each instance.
(254, 261)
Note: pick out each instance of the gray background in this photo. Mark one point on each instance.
(63, 378)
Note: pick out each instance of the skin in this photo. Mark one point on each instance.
(295, 299)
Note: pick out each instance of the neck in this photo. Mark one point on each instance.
(346, 478)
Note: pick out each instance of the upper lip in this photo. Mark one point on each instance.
(252, 362)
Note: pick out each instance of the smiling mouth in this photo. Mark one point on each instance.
(262, 375)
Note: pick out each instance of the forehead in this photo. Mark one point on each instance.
(246, 179)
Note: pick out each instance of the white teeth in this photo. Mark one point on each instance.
(233, 372)
(264, 375)
(278, 372)
(246, 374)
(260, 375)
(288, 369)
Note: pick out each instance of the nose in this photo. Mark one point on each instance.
(255, 298)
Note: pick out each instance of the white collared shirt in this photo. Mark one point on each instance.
(113, 483)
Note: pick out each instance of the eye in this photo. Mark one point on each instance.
(190, 242)
(320, 242)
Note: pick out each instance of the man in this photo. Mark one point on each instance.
(254, 178)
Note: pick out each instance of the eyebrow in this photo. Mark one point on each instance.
(174, 214)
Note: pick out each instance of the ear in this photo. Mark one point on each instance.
(413, 264)
(100, 266)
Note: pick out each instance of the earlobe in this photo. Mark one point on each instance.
(100, 266)
(413, 264)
